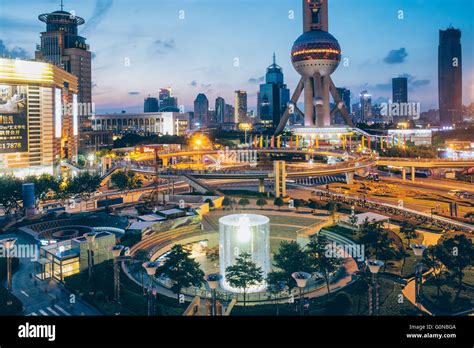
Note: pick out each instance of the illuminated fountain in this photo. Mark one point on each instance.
(241, 233)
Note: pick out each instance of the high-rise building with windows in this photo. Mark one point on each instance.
(273, 96)
(64, 47)
(151, 105)
(240, 106)
(167, 102)
(450, 76)
(229, 114)
(365, 106)
(220, 110)
(201, 110)
(400, 90)
(346, 98)
(39, 117)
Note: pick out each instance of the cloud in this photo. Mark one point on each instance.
(133, 93)
(414, 83)
(255, 80)
(164, 46)
(101, 9)
(202, 86)
(396, 56)
(15, 52)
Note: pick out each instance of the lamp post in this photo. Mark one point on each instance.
(117, 253)
(418, 250)
(301, 279)
(8, 245)
(213, 282)
(374, 267)
(150, 268)
(90, 238)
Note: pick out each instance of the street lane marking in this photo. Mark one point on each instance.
(43, 312)
(24, 293)
(53, 311)
(62, 310)
(33, 313)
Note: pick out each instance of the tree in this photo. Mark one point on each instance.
(210, 202)
(261, 202)
(243, 202)
(432, 261)
(279, 202)
(339, 305)
(313, 205)
(46, 187)
(408, 230)
(181, 269)
(244, 273)
(10, 194)
(84, 185)
(457, 254)
(320, 259)
(299, 203)
(125, 181)
(289, 258)
(226, 202)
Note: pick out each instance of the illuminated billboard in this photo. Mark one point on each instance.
(13, 119)
(58, 113)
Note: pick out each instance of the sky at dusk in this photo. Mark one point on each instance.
(197, 53)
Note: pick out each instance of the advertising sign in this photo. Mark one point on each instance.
(13, 119)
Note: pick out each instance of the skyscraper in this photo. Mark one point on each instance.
(450, 76)
(62, 46)
(220, 110)
(400, 90)
(346, 98)
(240, 106)
(201, 110)
(229, 114)
(167, 102)
(365, 106)
(273, 96)
(150, 105)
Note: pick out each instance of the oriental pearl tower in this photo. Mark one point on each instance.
(315, 56)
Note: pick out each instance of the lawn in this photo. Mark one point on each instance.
(100, 291)
(446, 301)
(357, 292)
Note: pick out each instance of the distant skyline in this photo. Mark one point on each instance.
(196, 54)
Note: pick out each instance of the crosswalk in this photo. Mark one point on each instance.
(55, 310)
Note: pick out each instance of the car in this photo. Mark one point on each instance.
(454, 192)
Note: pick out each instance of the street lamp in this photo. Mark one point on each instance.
(418, 250)
(150, 268)
(90, 238)
(116, 253)
(374, 267)
(213, 282)
(8, 245)
(301, 279)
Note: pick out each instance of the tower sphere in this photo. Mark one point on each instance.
(314, 52)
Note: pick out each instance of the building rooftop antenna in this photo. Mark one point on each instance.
(62, 5)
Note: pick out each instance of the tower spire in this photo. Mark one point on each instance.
(274, 58)
(62, 5)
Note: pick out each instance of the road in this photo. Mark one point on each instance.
(431, 184)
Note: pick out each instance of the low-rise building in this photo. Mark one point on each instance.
(69, 257)
(161, 123)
